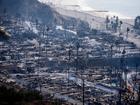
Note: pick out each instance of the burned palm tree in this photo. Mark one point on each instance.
(120, 28)
(127, 32)
(107, 21)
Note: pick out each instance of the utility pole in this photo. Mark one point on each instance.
(120, 76)
(111, 48)
(77, 56)
(39, 79)
(136, 70)
(138, 94)
(83, 91)
(69, 54)
(124, 68)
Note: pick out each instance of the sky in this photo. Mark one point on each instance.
(129, 8)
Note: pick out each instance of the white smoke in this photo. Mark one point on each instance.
(82, 3)
(83, 6)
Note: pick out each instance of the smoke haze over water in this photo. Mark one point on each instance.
(130, 8)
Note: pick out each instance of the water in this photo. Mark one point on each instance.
(130, 8)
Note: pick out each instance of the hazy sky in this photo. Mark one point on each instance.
(126, 7)
(130, 8)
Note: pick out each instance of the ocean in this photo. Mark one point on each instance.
(130, 8)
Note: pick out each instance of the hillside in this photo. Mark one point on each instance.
(29, 13)
(23, 9)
